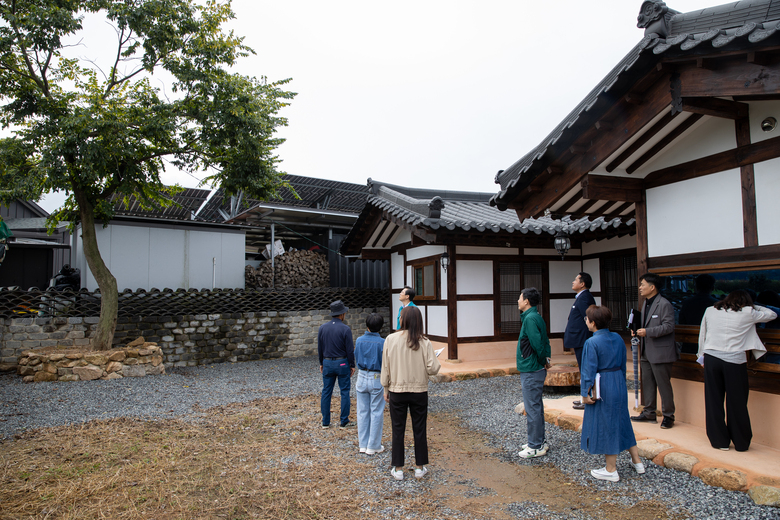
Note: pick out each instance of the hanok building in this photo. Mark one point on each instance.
(468, 261)
(682, 133)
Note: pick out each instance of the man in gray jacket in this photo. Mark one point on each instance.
(659, 351)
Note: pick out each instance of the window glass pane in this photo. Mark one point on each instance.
(429, 287)
(418, 281)
(510, 285)
(532, 277)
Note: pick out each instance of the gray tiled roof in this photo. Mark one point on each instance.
(475, 214)
(742, 24)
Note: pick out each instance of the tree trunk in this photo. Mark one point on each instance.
(109, 296)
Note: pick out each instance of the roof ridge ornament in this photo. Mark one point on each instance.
(435, 207)
(655, 18)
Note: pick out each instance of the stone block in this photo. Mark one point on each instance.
(569, 422)
(651, 448)
(136, 342)
(732, 480)
(25, 370)
(49, 367)
(56, 357)
(765, 495)
(550, 416)
(92, 320)
(119, 355)
(680, 461)
(64, 371)
(88, 373)
(68, 377)
(74, 321)
(133, 371)
(42, 375)
(152, 370)
(95, 358)
(112, 375)
(113, 366)
(28, 379)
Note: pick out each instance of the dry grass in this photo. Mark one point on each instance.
(267, 459)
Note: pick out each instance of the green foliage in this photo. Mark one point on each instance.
(94, 133)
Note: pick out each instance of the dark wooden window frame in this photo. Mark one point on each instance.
(421, 263)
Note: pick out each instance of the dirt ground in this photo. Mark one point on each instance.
(269, 459)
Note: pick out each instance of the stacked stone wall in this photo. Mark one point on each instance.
(199, 339)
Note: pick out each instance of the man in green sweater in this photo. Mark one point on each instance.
(533, 351)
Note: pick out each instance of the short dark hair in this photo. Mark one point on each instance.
(735, 301)
(409, 292)
(653, 279)
(531, 294)
(705, 283)
(600, 316)
(374, 322)
(586, 279)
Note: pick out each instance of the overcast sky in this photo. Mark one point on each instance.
(427, 94)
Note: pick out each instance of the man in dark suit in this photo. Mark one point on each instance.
(659, 351)
(576, 330)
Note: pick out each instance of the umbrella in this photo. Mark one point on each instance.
(633, 325)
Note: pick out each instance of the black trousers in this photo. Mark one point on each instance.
(729, 381)
(417, 405)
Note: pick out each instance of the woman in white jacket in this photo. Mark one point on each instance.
(728, 331)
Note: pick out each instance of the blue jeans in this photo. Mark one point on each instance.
(332, 370)
(533, 384)
(370, 409)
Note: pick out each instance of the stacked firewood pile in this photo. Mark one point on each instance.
(294, 269)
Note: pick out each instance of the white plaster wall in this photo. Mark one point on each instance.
(529, 251)
(760, 110)
(437, 320)
(612, 244)
(702, 214)
(424, 252)
(559, 313)
(767, 175)
(403, 237)
(475, 277)
(145, 258)
(394, 317)
(443, 282)
(562, 274)
(397, 270)
(475, 250)
(593, 268)
(709, 136)
(475, 319)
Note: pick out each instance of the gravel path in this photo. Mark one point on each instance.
(486, 405)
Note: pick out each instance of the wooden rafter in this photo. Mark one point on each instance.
(663, 143)
(382, 232)
(642, 140)
(715, 107)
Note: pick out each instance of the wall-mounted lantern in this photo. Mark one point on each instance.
(445, 261)
(562, 243)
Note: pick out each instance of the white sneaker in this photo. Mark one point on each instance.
(603, 474)
(362, 450)
(397, 473)
(639, 467)
(369, 451)
(529, 453)
(420, 473)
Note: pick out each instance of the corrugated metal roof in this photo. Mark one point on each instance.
(186, 202)
(738, 23)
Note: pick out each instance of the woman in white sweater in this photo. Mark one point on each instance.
(407, 361)
(728, 331)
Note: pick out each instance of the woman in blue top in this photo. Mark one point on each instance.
(606, 428)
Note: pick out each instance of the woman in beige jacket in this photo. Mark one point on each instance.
(407, 361)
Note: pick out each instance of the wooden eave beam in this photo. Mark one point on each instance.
(375, 254)
(641, 141)
(715, 107)
(614, 189)
(734, 76)
(730, 159)
(663, 143)
(627, 121)
(381, 233)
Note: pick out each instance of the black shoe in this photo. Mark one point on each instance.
(667, 423)
(578, 405)
(644, 418)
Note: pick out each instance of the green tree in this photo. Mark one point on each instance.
(93, 132)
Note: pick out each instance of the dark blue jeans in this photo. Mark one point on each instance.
(332, 370)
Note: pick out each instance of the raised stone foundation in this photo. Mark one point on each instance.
(138, 359)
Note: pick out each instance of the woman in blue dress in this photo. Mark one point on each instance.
(606, 428)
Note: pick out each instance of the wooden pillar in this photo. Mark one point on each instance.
(642, 258)
(452, 306)
(750, 226)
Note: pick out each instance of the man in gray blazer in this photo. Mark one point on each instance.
(659, 351)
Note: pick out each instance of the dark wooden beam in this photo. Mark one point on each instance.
(554, 170)
(730, 159)
(390, 236)
(578, 149)
(452, 305)
(734, 77)
(715, 107)
(623, 207)
(706, 63)
(583, 211)
(724, 259)
(382, 232)
(642, 140)
(663, 143)
(633, 98)
(375, 254)
(603, 125)
(534, 189)
(758, 58)
(616, 189)
(642, 255)
(747, 179)
(569, 203)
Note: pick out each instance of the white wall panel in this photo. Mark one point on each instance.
(613, 244)
(424, 252)
(475, 277)
(559, 313)
(397, 270)
(170, 273)
(760, 110)
(767, 197)
(475, 319)
(593, 268)
(702, 214)
(437, 320)
(562, 274)
(394, 317)
(130, 254)
(231, 274)
(474, 250)
(443, 282)
(403, 237)
(709, 136)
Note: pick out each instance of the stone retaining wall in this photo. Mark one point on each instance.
(187, 340)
